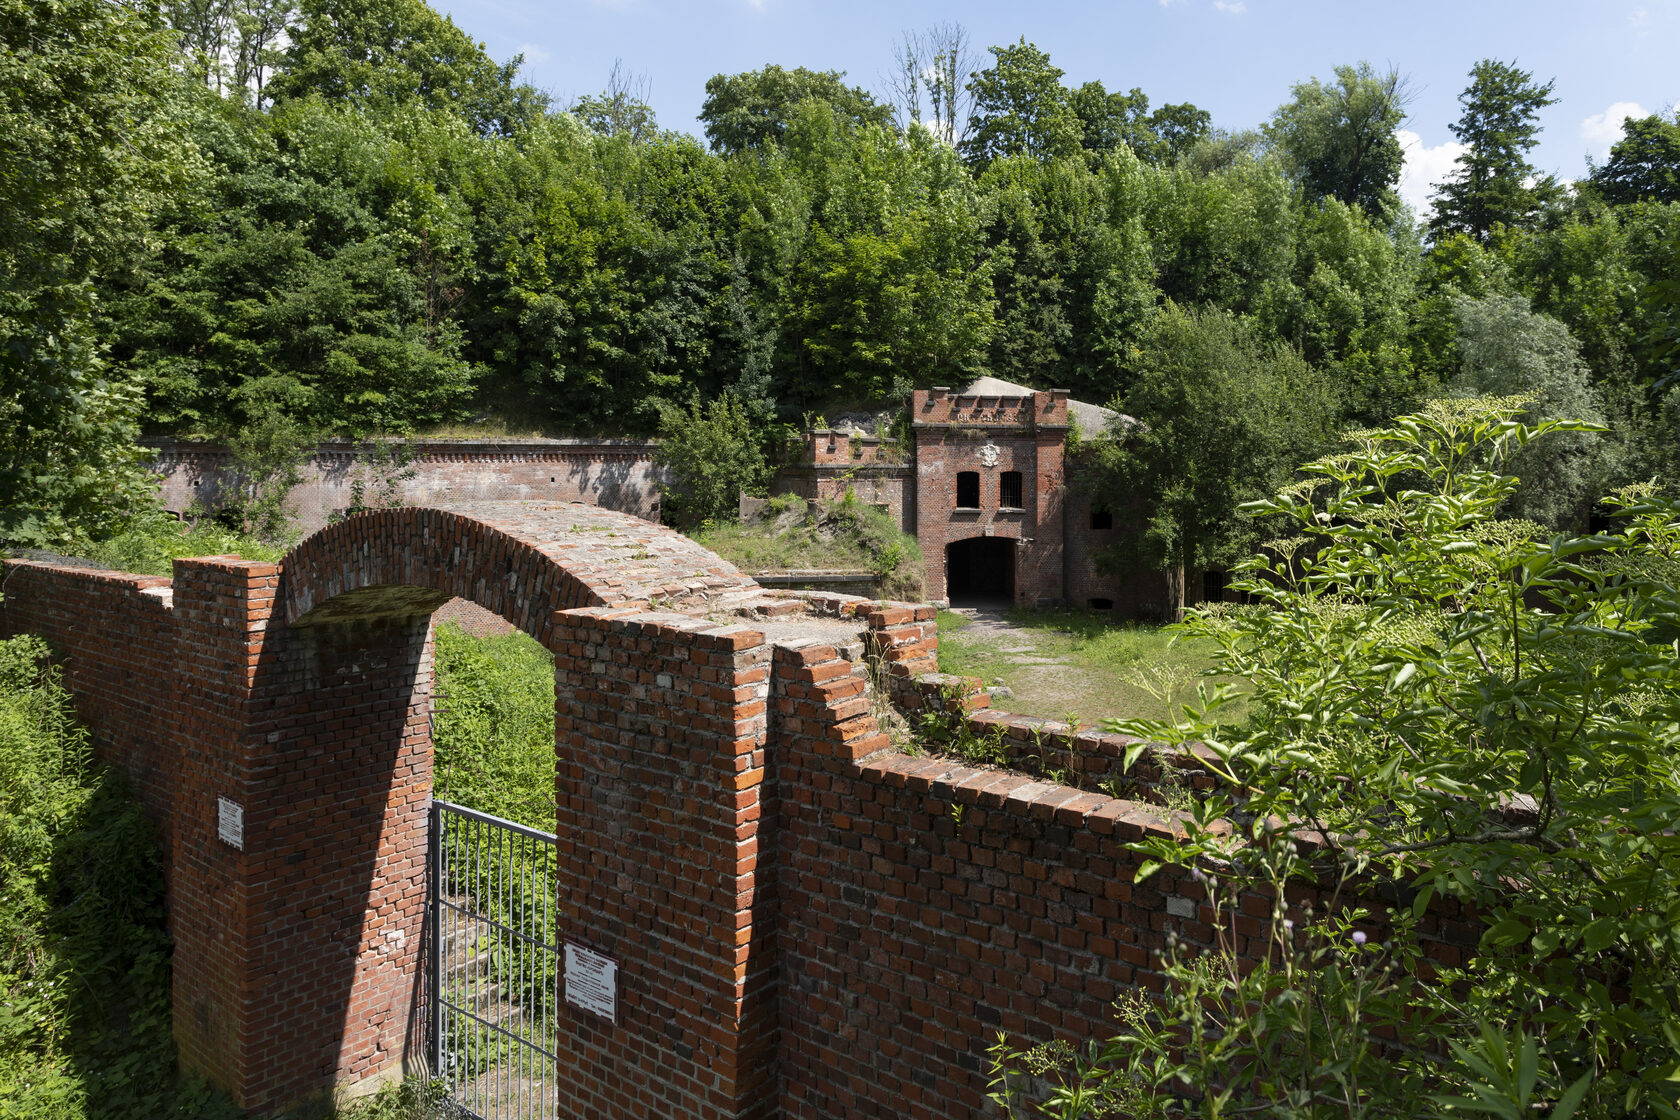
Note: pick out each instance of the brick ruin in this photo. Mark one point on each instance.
(804, 927)
(986, 487)
(616, 474)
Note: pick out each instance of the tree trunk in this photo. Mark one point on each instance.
(1175, 590)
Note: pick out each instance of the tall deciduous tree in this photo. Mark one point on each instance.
(1500, 124)
(1109, 120)
(621, 109)
(382, 53)
(1644, 164)
(1507, 350)
(91, 145)
(1339, 141)
(751, 110)
(1223, 416)
(935, 63)
(1020, 108)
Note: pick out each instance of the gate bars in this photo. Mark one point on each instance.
(494, 965)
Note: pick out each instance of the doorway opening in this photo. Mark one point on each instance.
(980, 571)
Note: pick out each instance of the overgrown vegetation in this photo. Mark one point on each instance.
(844, 534)
(1443, 703)
(264, 222)
(149, 544)
(84, 956)
(493, 726)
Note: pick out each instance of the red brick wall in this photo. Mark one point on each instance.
(804, 927)
(1028, 433)
(662, 803)
(911, 939)
(114, 636)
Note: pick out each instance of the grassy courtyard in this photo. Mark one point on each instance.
(1079, 663)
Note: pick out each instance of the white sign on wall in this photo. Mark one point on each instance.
(592, 982)
(230, 822)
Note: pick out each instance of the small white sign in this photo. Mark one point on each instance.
(592, 982)
(230, 822)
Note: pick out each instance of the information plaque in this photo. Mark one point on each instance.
(592, 982)
(230, 822)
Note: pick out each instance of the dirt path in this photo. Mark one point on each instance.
(1037, 676)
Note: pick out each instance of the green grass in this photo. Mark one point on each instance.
(152, 544)
(493, 729)
(1078, 664)
(842, 534)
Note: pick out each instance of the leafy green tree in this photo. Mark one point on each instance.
(1109, 120)
(890, 289)
(318, 288)
(382, 53)
(1339, 140)
(748, 111)
(1020, 108)
(1345, 308)
(1509, 351)
(1501, 107)
(91, 145)
(1222, 416)
(1643, 165)
(1442, 705)
(1071, 269)
(710, 454)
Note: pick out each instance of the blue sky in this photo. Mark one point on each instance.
(1235, 58)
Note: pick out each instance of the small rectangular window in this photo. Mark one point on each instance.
(968, 489)
(1102, 519)
(1009, 490)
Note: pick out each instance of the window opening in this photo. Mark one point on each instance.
(968, 489)
(1009, 490)
(1102, 519)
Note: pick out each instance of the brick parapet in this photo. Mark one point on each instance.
(662, 801)
(934, 904)
(113, 637)
(616, 474)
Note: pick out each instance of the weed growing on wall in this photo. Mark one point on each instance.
(150, 544)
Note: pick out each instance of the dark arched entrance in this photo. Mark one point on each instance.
(980, 571)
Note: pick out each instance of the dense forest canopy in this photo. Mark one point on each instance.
(265, 221)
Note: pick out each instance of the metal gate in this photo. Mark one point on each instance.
(493, 971)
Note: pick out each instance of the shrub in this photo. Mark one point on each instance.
(1459, 706)
(710, 456)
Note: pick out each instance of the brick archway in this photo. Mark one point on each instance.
(307, 709)
(520, 560)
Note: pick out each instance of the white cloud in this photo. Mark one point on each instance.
(1230, 7)
(1173, 3)
(1601, 130)
(533, 54)
(1423, 168)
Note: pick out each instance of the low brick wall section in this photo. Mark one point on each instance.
(926, 905)
(115, 636)
(616, 474)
